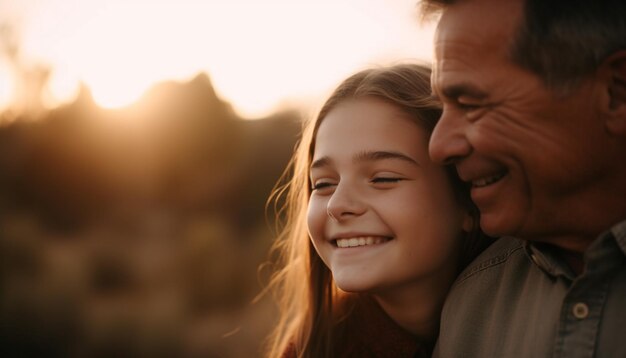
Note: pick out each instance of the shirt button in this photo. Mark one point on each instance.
(538, 261)
(533, 257)
(580, 310)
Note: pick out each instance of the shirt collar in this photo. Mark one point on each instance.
(544, 257)
(619, 232)
(605, 253)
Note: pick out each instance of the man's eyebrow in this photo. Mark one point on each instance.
(463, 89)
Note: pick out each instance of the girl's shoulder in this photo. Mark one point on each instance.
(367, 331)
(373, 333)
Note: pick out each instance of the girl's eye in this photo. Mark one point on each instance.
(321, 185)
(383, 180)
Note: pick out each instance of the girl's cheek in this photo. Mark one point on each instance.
(315, 215)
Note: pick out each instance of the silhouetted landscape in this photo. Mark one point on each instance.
(138, 232)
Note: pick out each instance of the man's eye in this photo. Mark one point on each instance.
(468, 107)
(472, 111)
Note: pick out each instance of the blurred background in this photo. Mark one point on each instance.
(139, 142)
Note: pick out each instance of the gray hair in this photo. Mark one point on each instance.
(562, 41)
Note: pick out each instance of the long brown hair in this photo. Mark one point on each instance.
(310, 304)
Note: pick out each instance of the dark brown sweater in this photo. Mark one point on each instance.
(370, 332)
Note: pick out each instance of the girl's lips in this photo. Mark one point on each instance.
(360, 241)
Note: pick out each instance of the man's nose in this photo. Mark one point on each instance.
(345, 202)
(448, 142)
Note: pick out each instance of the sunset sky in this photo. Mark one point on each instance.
(260, 55)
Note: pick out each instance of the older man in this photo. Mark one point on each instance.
(534, 118)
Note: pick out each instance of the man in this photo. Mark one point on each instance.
(534, 95)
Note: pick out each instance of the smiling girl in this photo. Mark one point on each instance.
(375, 232)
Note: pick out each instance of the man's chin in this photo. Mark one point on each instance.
(497, 224)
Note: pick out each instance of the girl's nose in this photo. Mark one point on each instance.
(344, 203)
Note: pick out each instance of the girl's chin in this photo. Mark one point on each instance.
(355, 286)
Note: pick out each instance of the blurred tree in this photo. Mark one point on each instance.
(137, 232)
(30, 79)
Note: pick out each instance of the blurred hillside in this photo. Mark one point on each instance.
(137, 232)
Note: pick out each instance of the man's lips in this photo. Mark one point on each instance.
(362, 240)
(487, 180)
(480, 172)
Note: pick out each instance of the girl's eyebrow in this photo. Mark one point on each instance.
(368, 156)
(322, 162)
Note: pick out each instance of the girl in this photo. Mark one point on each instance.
(375, 232)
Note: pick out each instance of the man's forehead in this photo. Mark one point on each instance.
(473, 36)
(485, 24)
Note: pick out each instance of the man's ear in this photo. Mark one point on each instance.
(615, 65)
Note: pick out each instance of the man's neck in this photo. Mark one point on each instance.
(585, 217)
(574, 260)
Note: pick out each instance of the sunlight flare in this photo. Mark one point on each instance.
(258, 55)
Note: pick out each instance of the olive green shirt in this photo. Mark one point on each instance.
(518, 299)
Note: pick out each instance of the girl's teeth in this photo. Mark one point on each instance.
(360, 241)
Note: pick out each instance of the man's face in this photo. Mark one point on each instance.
(532, 157)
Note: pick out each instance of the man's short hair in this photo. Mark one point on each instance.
(562, 41)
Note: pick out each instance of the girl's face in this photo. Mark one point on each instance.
(381, 216)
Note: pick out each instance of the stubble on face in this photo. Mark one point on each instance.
(554, 147)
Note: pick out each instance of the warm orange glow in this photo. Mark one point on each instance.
(258, 54)
(6, 88)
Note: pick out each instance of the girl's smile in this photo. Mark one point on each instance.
(381, 214)
(360, 241)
